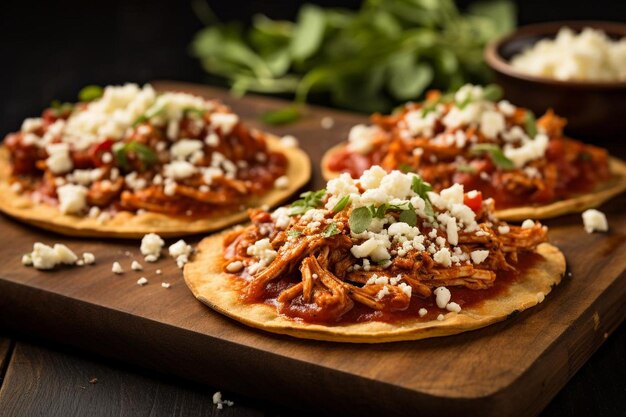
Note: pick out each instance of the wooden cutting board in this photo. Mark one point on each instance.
(512, 368)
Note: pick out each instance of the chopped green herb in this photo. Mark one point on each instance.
(496, 154)
(401, 207)
(420, 187)
(409, 217)
(144, 153)
(90, 93)
(405, 168)
(331, 230)
(341, 204)
(149, 114)
(281, 116)
(191, 110)
(379, 212)
(530, 124)
(360, 219)
(466, 168)
(492, 92)
(59, 108)
(309, 200)
(294, 233)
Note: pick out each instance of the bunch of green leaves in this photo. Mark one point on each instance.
(385, 53)
(146, 156)
(307, 201)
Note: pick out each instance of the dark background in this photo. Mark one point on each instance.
(50, 49)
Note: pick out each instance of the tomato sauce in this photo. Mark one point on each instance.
(465, 297)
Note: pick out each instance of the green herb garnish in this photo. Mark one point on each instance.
(496, 154)
(421, 188)
(90, 93)
(360, 219)
(492, 92)
(405, 168)
(331, 230)
(309, 200)
(341, 204)
(294, 233)
(144, 153)
(530, 124)
(60, 109)
(467, 168)
(149, 114)
(281, 116)
(191, 110)
(409, 217)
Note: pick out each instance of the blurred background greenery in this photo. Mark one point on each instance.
(370, 59)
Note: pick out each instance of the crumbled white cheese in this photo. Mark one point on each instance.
(117, 268)
(72, 198)
(503, 230)
(217, 400)
(59, 160)
(281, 217)
(441, 317)
(179, 170)
(180, 251)
(151, 245)
(224, 121)
(422, 312)
(327, 122)
(88, 258)
(361, 138)
(235, 266)
(289, 141)
(263, 251)
(590, 55)
(282, 182)
(31, 124)
(443, 257)
(136, 266)
(382, 293)
(479, 256)
(530, 150)
(142, 281)
(453, 307)
(492, 124)
(443, 296)
(595, 221)
(27, 259)
(528, 224)
(165, 284)
(184, 148)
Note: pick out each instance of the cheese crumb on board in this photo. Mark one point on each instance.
(180, 251)
(142, 281)
(117, 268)
(47, 257)
(88, 258)
(595, 221)
(165, 284)
(151, 245)
(136, 266)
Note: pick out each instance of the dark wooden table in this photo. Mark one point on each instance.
(40, 378)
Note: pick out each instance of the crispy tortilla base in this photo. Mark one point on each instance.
(602, 193)
(217, 290)
(129, 225)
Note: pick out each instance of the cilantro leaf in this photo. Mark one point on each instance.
(466, 168)
(492, 92)
(409, 217)
(496, 154)
(144, 153)
(309, 200)
(331, 230)
(420, 187)
(90, 93)
(360, 219)
(530, 124)
(294, 233)
(341, 204)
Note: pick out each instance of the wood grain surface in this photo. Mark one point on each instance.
(512, 368)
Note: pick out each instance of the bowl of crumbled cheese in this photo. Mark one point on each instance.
(577, 68)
